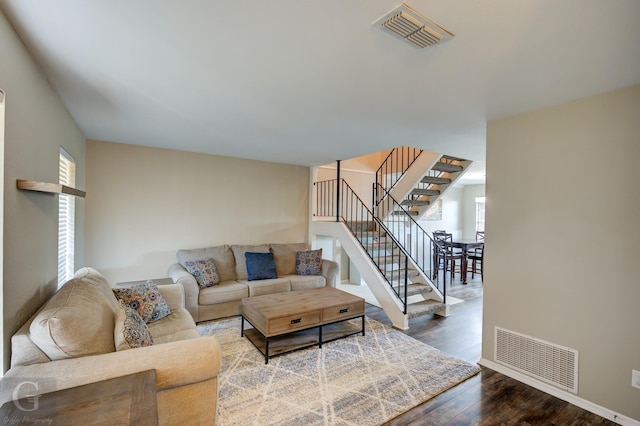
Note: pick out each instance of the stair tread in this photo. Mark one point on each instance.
(435, 180)
(417, 288)
(398, 273)
(374, 247)
(426, 192)
(362, 226)
(447, 167)
(414, 202)
(423, 308)
(402, 213)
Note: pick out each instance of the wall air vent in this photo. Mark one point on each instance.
(545, 361)
(408, 24)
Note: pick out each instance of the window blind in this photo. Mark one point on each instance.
(66, 219)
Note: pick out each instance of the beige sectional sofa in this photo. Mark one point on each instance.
(224, 298)
(72, 340)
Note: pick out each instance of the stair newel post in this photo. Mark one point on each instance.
(338, 186)
(374, 199)
(406, 281)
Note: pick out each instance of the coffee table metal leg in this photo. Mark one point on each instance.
(266, 350)
(242, 326)
(363, 325)
(320, 336)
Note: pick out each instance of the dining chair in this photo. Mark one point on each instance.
(445, 255)
(477, 262)
(479, 237)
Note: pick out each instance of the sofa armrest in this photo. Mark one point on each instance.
(173, 294)
(177, 364)
(330, 272)
(191, 288)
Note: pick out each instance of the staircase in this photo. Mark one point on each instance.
(420, 183)
(387, 245)
(398, 276)
(397, 267)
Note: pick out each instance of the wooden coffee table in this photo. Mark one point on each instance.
(284, 322)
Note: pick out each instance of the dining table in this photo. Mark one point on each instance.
(466, 245)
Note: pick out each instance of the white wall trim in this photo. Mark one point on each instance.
(559, 393)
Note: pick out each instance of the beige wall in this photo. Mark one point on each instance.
(562, 237)
(452, 210)
(143, 204)
(36, 125)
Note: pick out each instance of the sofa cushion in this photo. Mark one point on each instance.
(284, 256)
(241, 263)
(204, 271)
(277, 285)
(228, 291)
(302, 282)
(222, 257)
(78, 320)
(96, 279)
(130, 329)
(309, 262)
(146, 299)
(178, 323)
(260, 266)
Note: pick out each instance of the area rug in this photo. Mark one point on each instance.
(358, 380)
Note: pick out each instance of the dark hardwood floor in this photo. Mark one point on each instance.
(489, 398)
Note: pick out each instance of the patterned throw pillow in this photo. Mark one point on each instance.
(146, 299)
(260, 266)
(309, 262)
(130, 329)
(204, 271)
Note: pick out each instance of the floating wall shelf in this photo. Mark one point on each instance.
(51, 188)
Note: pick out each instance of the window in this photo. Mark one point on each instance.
(480, 214)
(66, 219)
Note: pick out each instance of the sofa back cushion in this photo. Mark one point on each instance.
(222, 258)
(284, 256)
(78, 320)
(96, 279)
(241, 262)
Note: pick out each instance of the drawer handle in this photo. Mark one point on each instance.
(344, 311)
(296, 321)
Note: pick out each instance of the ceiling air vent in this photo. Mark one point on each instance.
(408, 24)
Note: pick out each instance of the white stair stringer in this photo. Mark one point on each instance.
(412, 176)
(371, 275)
(411, 179)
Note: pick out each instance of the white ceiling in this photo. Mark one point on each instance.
(308, 82)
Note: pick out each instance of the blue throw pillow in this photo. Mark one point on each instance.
(260, 266)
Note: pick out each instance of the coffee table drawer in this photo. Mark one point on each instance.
(294, 322)
(347, 310)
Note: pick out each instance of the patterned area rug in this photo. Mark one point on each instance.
(358, 380)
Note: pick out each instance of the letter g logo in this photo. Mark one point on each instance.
(31, 397)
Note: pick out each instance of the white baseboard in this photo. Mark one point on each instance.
(559, 393)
